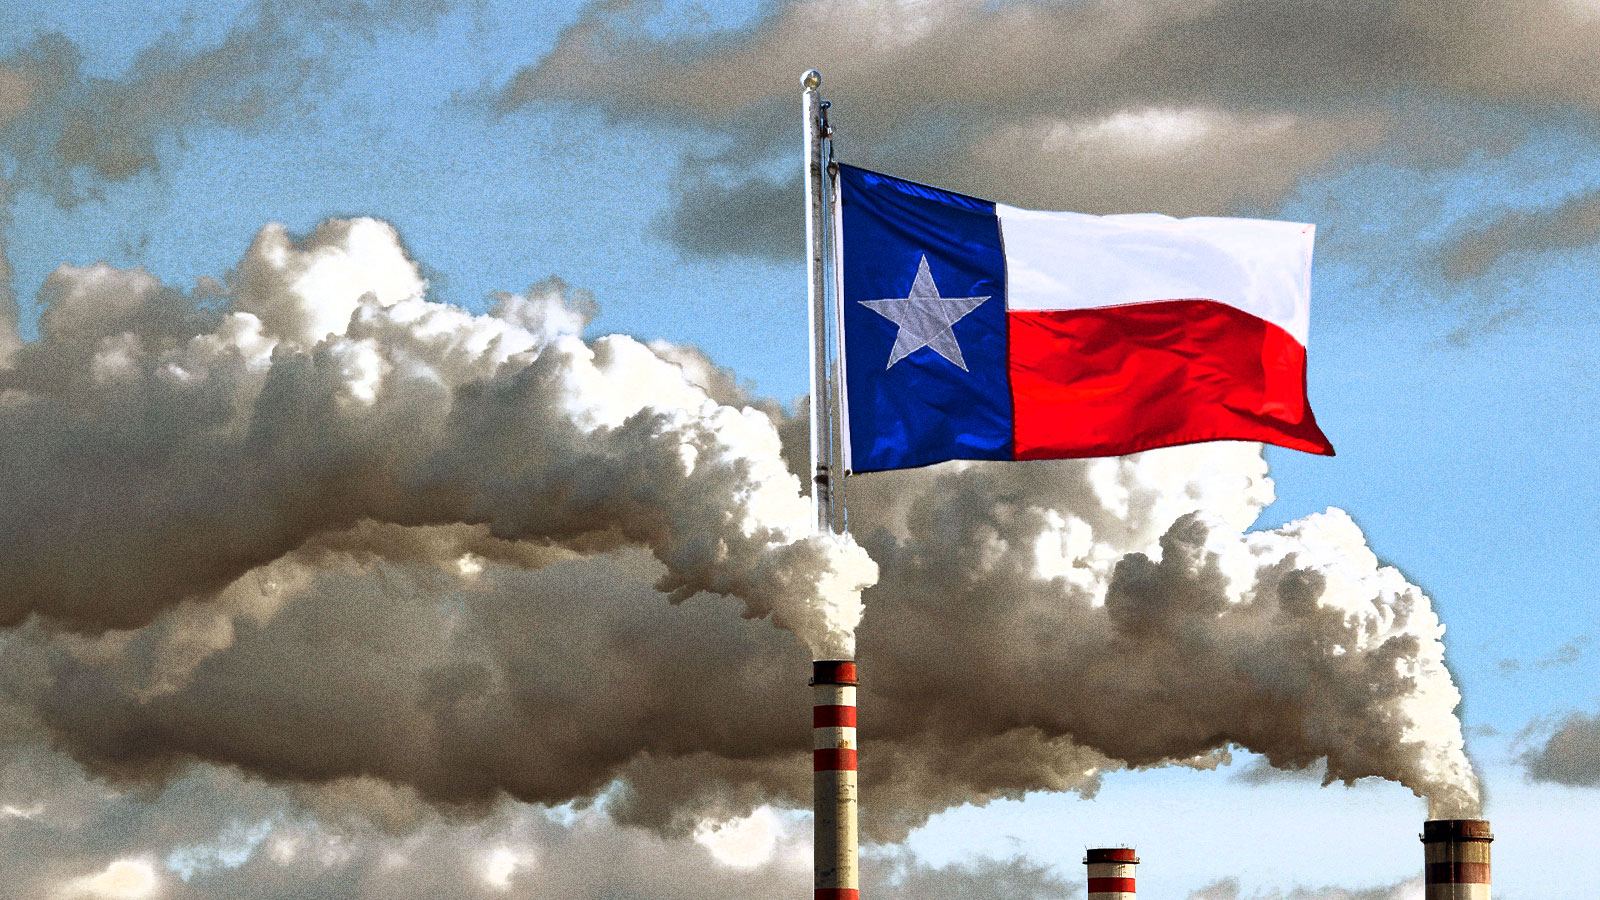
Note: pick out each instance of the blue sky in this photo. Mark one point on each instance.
(1463, 406)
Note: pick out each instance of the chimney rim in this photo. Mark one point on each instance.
(834, 671)
(1451, 831)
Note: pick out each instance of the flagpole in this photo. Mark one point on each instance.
(833, 682)
(816, 248)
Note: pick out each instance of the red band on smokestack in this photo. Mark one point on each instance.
(1111, 885)
(833, 671)
(1458, 873)
(838, 894)
(833, 717)
(836, 760)
(1110, 854)
(1456, 858)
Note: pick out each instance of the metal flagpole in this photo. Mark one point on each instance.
(816, 248)
(833, 715)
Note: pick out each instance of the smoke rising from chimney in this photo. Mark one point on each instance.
(169, 448)
(321, 528)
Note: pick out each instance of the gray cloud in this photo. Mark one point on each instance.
(738, 220)
(1570, 755)
(1178, 108)
(1565, 655)
(1229, 889)
(10, 337)
(67, 130)
(1573, 223)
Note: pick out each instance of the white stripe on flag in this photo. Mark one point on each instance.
(1062, 260)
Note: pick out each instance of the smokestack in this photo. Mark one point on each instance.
(833, 742)
(1111, 873)
(1456, 853)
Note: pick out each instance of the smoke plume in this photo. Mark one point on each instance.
(1089, 590)
(166, 448)
(214, 834)
(326, 531)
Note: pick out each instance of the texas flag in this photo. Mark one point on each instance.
(976, 330)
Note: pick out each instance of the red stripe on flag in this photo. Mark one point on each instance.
(1458, 873)
(833, 760)
(1121, 379)
(838, 894)
(833, 717)
(1111, 885)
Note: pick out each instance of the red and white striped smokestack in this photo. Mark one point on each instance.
(833, 751)
(1456, 855)
(1111, 873)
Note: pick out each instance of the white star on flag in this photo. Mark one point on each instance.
(925, 318)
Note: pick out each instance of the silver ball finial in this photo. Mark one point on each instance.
(811, 79)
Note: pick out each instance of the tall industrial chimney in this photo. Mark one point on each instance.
(1456, 854)
(1111, 873)
(833, 743)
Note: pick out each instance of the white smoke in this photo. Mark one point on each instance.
(215, 834)
(321, 528)
(1124, 603)
(331, 393)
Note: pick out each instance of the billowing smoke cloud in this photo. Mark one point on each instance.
(1183, 108)
(188, 444)
(327, 529)
(1060, 597)
(215, 835)
(322, 529)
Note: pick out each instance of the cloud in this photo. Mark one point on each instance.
(10, 337)
(67, 131)
(1570, 224)
(1183, 108)
(1563, 656)
(1570, 755)
(1228, 889)
(123, 879)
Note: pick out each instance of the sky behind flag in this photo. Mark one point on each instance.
(648, 156)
